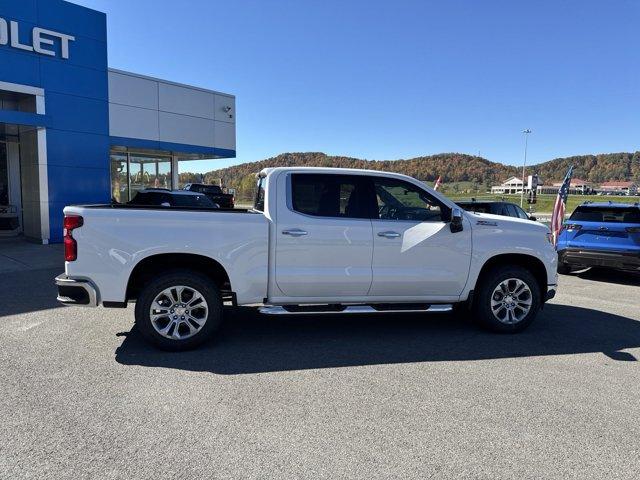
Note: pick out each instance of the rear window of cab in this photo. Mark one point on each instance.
(606, 214)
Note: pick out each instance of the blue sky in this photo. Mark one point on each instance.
(398, 79)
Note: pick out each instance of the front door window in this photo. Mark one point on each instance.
(398, 200)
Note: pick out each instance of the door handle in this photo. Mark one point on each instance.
(388, 234)
(295, 232)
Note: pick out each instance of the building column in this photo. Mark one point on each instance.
(174, 172)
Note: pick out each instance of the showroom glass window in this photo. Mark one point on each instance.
(132, 172)
(149, 172)
(119, 179)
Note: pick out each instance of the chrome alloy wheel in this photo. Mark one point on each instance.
(511, 301)
(178, 312)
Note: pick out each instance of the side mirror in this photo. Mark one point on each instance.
(456, 221)
(532, 218)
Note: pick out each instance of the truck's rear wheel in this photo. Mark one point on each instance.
(507, 299)
(179, 310)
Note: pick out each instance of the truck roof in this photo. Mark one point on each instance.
(333, 170)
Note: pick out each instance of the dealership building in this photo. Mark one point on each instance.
(73, 130)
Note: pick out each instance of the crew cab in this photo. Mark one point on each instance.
(318, 240)
(604, 234)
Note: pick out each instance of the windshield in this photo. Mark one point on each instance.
(606, 214)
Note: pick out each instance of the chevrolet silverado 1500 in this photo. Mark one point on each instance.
(316, 241)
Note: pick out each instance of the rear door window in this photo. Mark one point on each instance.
(326, 195)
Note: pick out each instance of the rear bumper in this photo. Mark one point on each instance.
(76, 292)
(578, 257)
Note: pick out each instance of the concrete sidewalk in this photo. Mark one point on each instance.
(18, 255)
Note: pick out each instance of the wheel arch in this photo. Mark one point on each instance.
(529, 262)
(153, 265)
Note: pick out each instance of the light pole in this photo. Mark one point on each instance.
(526, 141)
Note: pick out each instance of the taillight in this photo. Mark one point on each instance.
(71, 222)
(633, 229)
(233, 202)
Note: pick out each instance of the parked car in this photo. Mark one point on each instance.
(506, 209)
(172, 198)
(318, 241)
(214, 192)
(601, 235)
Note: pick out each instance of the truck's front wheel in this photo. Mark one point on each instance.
(507, 300)
(179, 310)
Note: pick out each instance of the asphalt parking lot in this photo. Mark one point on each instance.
(393, 396)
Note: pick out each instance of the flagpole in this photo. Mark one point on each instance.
(526, 141)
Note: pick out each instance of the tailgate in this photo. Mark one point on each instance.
(604, 227)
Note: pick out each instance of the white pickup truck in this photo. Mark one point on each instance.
(317, 240)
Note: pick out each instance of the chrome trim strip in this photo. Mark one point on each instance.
(280, 310)
(86, 285)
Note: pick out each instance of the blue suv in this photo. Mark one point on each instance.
(601, 235)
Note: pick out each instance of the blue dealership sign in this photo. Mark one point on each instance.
(61, 48)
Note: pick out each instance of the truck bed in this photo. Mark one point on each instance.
(115, 238)
(124, 206)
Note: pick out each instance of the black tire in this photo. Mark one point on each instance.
(212, 316)
(564, 269)
(489, 281)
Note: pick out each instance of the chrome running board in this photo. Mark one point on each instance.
(339, 309)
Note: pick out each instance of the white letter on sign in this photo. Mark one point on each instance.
(65, 39)
(4, 32)
(15, 40)
(39, 41)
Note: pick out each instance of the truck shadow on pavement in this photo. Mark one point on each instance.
(251, 343)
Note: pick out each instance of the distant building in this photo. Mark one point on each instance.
(578, 187)
(512, 185)
(620, 188)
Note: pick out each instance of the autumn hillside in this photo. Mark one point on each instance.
(453, 167)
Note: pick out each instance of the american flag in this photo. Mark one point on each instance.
(560, 206)
(438, 183)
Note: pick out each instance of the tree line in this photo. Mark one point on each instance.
(453, 167)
